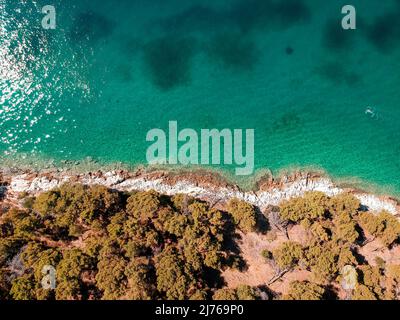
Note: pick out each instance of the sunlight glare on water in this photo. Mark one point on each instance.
(34, 77)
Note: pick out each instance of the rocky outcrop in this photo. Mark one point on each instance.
(202, 186)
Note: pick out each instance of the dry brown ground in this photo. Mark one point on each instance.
(260, 272)
(375, 249)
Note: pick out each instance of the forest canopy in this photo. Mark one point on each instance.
(107, 244)
(142, 245)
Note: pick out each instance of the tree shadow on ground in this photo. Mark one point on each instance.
(231, 239)
(263, 225)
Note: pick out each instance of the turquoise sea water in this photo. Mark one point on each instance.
(112, 70)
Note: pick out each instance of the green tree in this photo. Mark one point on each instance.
(244, 214)
(182, 202)
(363, 293)
(393, 282)
(345, 203)
(5, 285)
(384, 226)
(319, 233)
(46, 202)
(371, 277)
(141, 280)
(143, 205)
(23, 288)
(202, 241)
(199, 295)
(173, 279)
(345, 227)
(312, 206)
(69, 272)
(288, 255)
(242, 292)
(91, 205)
(304, 291)
(8, 248)
(245, 292)
(111, 278)
(323, 261)
(225, 295)
(99, 203)
(170, 221)
(346, 256)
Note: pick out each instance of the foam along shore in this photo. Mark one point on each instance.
(203, 186)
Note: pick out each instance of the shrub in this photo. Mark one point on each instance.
(28, 202)
(266, 254)
(380, 263)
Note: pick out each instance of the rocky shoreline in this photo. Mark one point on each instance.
(203, 185)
